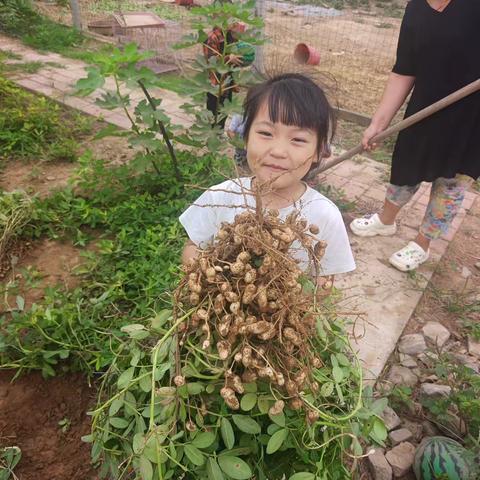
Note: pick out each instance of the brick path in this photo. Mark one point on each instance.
(383, 296)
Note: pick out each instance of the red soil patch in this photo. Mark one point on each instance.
(30, 411)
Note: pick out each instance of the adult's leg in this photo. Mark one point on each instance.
(395, 198)
(446, 198)
(383, 223)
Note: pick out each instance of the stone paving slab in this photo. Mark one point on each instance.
(378, 297)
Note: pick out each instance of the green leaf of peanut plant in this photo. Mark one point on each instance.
(227, 433)
(276, 441)
(235, 467)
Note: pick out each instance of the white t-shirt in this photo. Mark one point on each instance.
(222, 202)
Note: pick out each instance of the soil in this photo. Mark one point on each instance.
(449, 284)
(48, 262)
(30, 411)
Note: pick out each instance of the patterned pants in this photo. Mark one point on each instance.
(446, 197)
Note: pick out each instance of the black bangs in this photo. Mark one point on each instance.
(292, 99)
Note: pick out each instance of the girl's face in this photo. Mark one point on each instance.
(278, 152)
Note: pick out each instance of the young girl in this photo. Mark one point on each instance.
(287, 125)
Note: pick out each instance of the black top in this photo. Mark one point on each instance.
(442, 51)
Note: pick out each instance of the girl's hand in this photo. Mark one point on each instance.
(369, 133)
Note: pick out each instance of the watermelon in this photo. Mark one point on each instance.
(443, 458)
(246, 52)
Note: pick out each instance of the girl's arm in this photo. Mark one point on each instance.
(396, 91)
(190, 251)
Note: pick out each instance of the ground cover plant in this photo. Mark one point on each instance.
(33, 127)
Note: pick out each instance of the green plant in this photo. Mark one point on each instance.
(149, 119)
(144, 424)
(9, 458)
(134, 264)
(32, 126)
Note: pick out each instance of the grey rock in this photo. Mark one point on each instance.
(467, 361)
(379, 467)
(436, 333)
(402, 376)
(415, 428)
(412, 344)
(434, 390)
(401, 458)
(391, 419)
(430, 429)
(399, 436)
(473, 347)
(407, 361)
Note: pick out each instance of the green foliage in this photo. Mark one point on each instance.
(135, 263)
(9, 458)
(33, 127)
(141, 421)
(337, 195)
(149, 119)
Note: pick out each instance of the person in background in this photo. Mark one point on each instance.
(236, 129)
(438, 53)
(214, 46)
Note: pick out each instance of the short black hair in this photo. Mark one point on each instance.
(292, 99)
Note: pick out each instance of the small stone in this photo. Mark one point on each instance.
(429, 378)
(401, 458)
(379, 467)
(412, 344)
(415, 428)
(473, 347)
(407, 361)
(429, 429)
(467, 361)
(399, 436)
(477, 265)
(50, 178)
(436, 333)
(402, 376)
(434, 390)
(466, 272)
(391, 419)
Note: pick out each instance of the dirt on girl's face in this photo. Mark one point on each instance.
(279, 152)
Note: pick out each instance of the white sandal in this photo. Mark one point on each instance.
(409, 257)
(371, 226)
